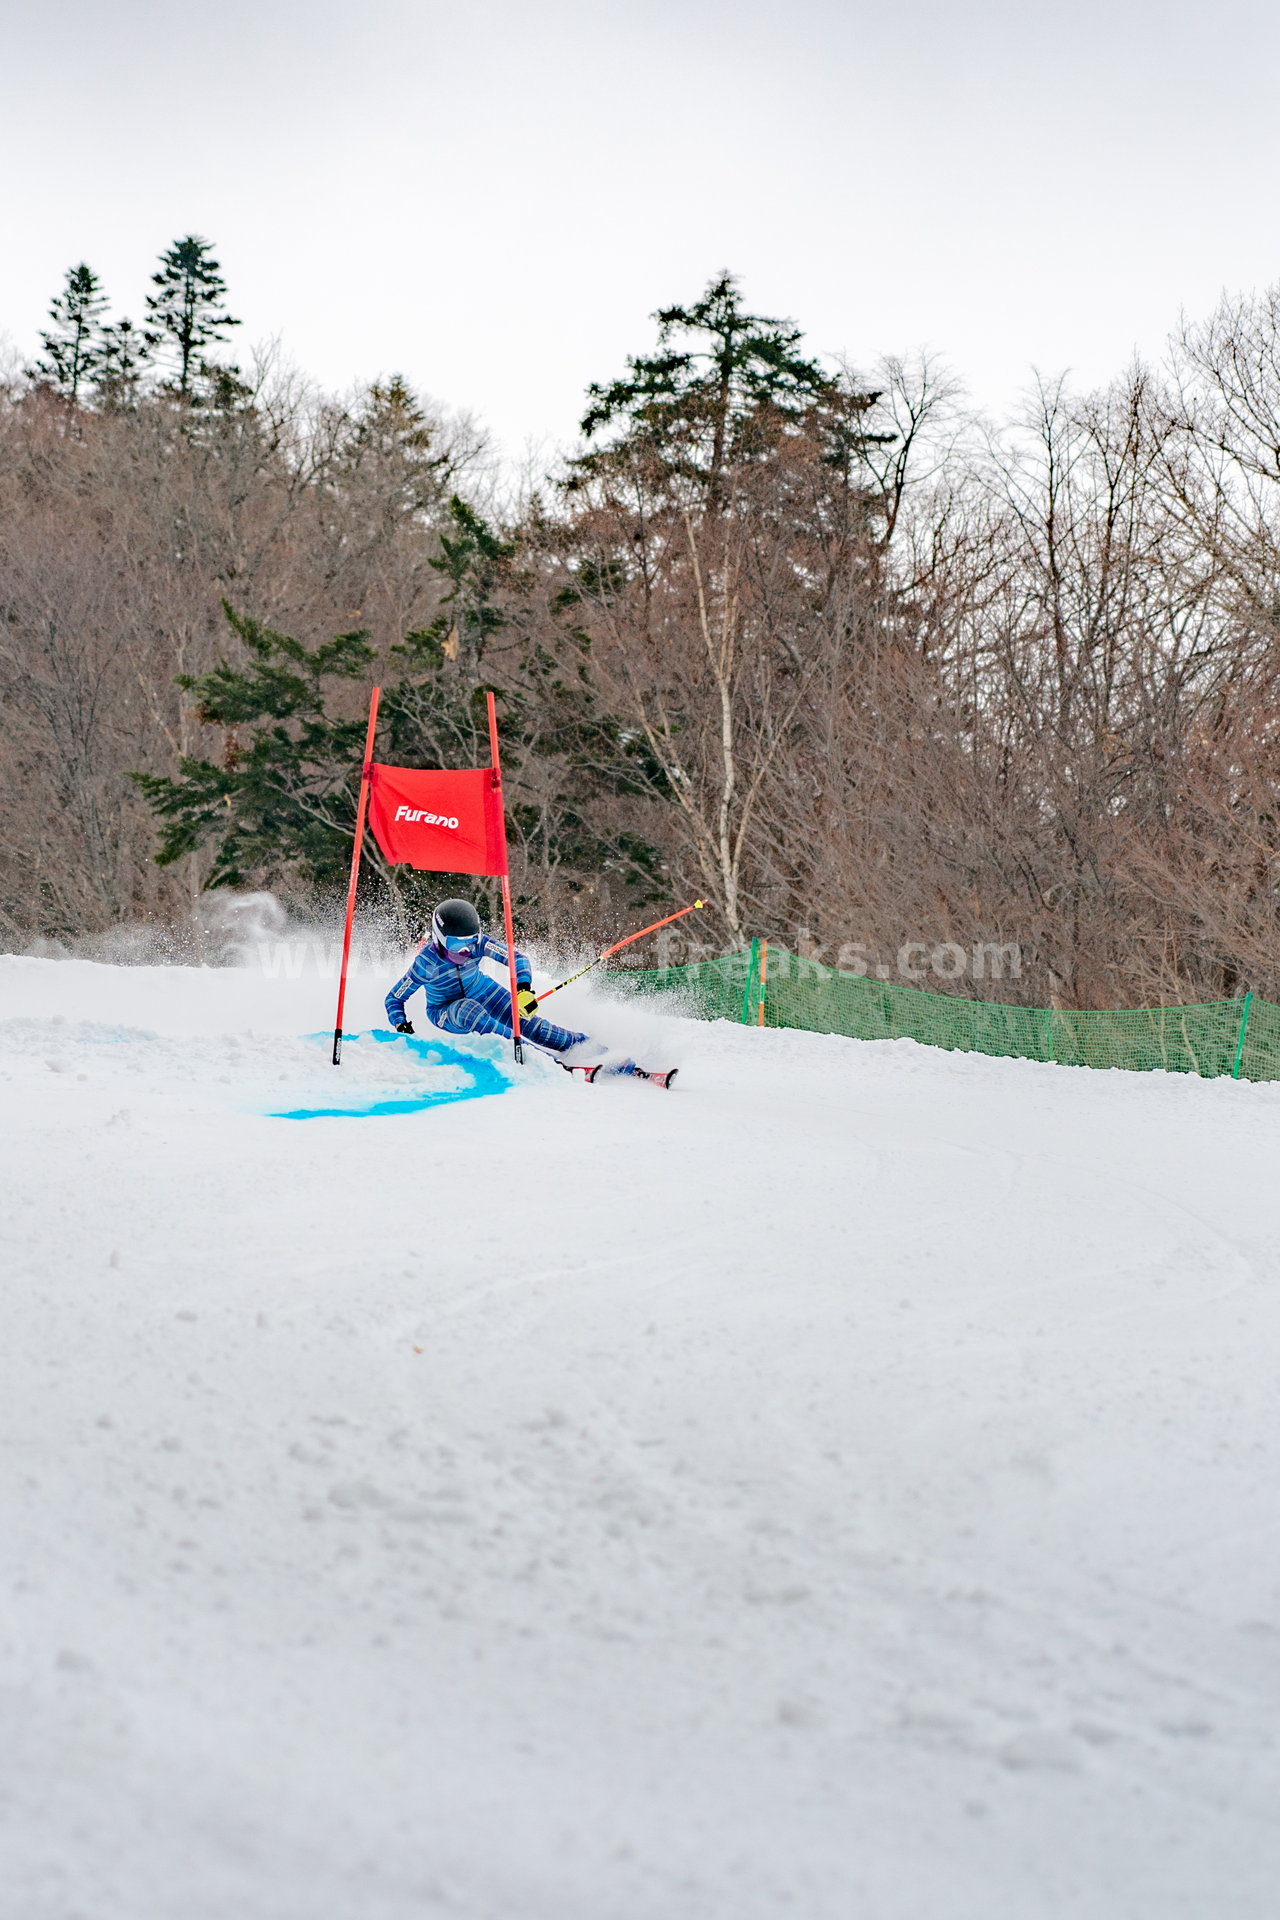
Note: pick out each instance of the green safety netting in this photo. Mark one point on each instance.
(1238, 1037)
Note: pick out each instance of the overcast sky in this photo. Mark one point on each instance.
(492, 197)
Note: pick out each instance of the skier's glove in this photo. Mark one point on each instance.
(527, 1001)
(405, 1026)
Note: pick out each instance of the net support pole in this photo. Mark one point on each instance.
(750, 981)
(764, 978)
(366, 772)
(508, 922)
(1244, 1028)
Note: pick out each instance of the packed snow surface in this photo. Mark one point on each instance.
(844, 1486)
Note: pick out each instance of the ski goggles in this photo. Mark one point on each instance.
(460, 946)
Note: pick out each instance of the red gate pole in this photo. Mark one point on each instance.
(506, 884)
(366, 773)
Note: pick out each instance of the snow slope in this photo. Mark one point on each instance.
(844, 1487)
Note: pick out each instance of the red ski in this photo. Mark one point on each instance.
(589, 1074)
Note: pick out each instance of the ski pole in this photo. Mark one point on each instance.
(619, 943)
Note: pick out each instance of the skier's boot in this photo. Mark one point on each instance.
(588, 1061)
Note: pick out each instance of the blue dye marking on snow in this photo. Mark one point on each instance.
(484, 1078)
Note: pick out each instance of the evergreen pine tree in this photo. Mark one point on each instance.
(187, 306)
(721, 379)
(392, 443)
(470, 558)
(72, 349)
(126, 353)
(286, 801)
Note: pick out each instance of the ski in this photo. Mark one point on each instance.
(656, 1079)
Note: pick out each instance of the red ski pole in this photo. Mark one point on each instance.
(620, 943)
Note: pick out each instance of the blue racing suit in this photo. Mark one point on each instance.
(461, 999)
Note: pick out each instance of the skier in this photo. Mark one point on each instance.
(461, 999)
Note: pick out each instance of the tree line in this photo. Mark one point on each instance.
(854, 665)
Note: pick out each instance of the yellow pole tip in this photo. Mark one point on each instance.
(699, 903)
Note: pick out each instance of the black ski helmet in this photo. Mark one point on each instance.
(455, 928)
